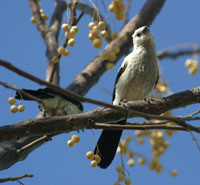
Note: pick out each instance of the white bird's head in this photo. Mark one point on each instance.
(142, 37)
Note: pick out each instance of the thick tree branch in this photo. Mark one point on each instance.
(51, 40)
(90, 119)
(83, 99)
(95, 69)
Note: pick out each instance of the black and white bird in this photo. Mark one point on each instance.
(135, 80)
(56, 104)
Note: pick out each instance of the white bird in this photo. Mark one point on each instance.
(135, 80)
(56, 104)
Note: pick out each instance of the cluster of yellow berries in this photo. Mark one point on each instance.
(193, 66)
(118, 8)
(161, 87)
(95, 158)
(15, 108)
(94, 36)
(69, 35)
(159, 146)
(74, 139)
(121, 176)
(43, 15)
(123, 148)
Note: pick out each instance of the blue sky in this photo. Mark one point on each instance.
(54, 162)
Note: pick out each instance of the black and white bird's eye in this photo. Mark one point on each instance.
(138, 34)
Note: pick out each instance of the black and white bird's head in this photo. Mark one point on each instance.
(142, 37)
(53, 103)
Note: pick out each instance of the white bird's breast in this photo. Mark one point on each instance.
(58, 106)
(139, 77)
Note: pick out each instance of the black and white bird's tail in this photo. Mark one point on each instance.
(40, 93)
(107, 145)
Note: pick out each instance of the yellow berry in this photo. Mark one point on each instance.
(44, 17)
(118, 168)
(115, 49)
(21, 108)
(121, 177)
(194, 68)
(13, 108)
(119, 151)
(90, 155)
(91, 25)
(71, 42)
(75, 28)
(112, 56)
(70, 34)
(112, 7)
(11, 100)
(131, 154)
(94, 163)
(55, 59)
(116, 183)
(141, 161)
(127, 181)
(104, 33)
(32, 20)
(90, 36)
(41, 11)
(105, 54)
(114, 35)
(174, 173)
(97, 43)
(169, 133)
(131, 162)
(95, 31)
(75, 138)
(97, 158)
(65, 27)
(119, 16)
(188, 63)
(61, 50)
(70, 143)
(101, 25)
(67, 53)
(109, 66)
(140, 140)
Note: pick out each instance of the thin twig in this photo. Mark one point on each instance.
(35, 142)
(195, 140)
(15, 178)
(167, 53)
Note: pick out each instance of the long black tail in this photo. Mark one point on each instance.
(107, 145)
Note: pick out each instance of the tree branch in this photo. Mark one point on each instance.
(38, 18)
(169, 53)
(55, 125)
(51, 40)
(15, 178)
(83, 99)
